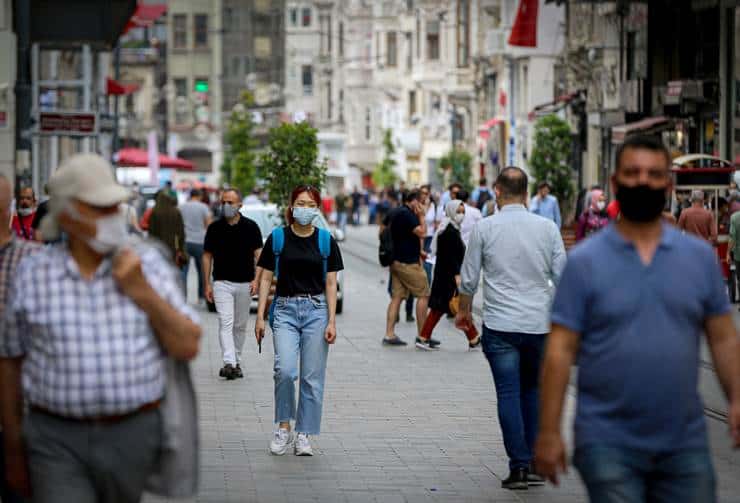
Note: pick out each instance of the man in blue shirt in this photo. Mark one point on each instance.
(546, 205)
(630, 308)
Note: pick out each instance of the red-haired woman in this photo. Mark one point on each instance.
(305, 260)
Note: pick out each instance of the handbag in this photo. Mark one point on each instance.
(454, 304)
(181, 258)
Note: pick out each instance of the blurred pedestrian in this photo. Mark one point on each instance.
(698, 220)
(166, 226)
(253, 197)
(630, 309)
(448, 195)
(356, 205)
(430, 217)
(545, 204)
(39, 214)
(734, 200)
(12, 251)
(472, 216)
(612, 210)
(232, 246)
(482, 194)
(594, 217)
(449, 250)
(340, 205)
(25, 209)
(408, 228)
(87, 329)
(521, 255)
(305, 260)
(196, 217)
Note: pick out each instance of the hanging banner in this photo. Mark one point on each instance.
(524, 31)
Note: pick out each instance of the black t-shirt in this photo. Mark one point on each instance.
(301, 266)
(41, 211)
(232, 247)
(406, 244)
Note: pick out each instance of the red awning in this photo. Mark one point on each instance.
(145, 15)
(115, 88)
(649, 124)
(484, 130)
(136, 157)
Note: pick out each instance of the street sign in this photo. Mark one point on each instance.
(67, 123)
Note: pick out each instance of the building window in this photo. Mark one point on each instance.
(631, 58)
(325, 35)
(433, 40)
(341, 39)
(409, 52)
(412, 104)
(524, 92)
(262, 6)
(262, 47)
(180, 31)
(235, 64)
(377, 49)
(200, 30)
(293, 17)
(307, 79)
(306, 17)
(368, 124)
(409, 5)
(463, 33)
(491, 95)
(391, 48)
(329, 111)
(341, 106)
(181, 100)
(181, 87)
(418, 36)
(228, 18)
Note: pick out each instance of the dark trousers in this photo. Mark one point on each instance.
(195, 251)
(6, 495)
(515, 363)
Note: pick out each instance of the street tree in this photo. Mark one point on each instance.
(455, 167)
(239, 168)
(291, 159)
(384, 174)
(550, 159)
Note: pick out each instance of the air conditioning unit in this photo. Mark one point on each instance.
(495, 42)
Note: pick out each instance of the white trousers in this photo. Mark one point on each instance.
(232, 303)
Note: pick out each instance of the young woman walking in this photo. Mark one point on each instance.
(449, 249)
(305, 260)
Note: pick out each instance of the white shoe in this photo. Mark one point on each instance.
(280, 441)
(303, 446)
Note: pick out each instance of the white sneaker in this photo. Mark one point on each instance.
(303, 446)
(280, 441)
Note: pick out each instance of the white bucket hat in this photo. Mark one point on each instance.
(87, 178)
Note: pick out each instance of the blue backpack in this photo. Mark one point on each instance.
(278, 242)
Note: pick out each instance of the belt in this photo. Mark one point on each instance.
(116, 418)
(306, 296)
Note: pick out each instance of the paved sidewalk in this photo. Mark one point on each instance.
(400, 425)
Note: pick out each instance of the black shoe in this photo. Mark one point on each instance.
(517, 480)
(228, 371)
(394, 341)
(433, 343)
(475, 343)
(238, 372)
(534, 480)
(425, 345)
(410, 318)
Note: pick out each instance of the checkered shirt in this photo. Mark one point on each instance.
(10, 256)
(89, 350)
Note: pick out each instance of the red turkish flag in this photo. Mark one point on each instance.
(524, 31)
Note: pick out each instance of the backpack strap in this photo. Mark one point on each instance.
(278, 242)
(324, 248)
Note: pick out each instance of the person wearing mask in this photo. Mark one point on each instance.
(631, 308)
(545, 204)
(472, 216)
(698, 220)
(12, 251)
(39, 214)
(430, 217)
(85, 337)
(25, 209)
(594, 217)
(521, 255)
(232, 246)
(449, 250)
(449, 195)
(408, 228)
(167, 227)
(305, 260)
(197, 217)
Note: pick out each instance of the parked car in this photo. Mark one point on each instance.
(266, 217)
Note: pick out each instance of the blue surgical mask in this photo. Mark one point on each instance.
(304, 216)
(229, 211)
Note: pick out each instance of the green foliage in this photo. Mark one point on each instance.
(384, 174)
(455, 167)
(291, 160)
(239, 169)
(550, 159)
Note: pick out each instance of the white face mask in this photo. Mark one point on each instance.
(24, 212)
(459, 217)
(601, 205)
(110, 232)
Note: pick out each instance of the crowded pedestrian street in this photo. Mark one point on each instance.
(400, 425)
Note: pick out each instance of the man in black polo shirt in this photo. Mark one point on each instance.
(229, 244)
(408, 229)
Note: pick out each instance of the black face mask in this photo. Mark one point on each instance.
(640, 203)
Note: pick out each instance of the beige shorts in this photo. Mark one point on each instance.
(408, 278)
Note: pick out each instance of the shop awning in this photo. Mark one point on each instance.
(139, 158)
(647, 125)
(484, 130)
(115, 88)
(145, 15)
(554, 106)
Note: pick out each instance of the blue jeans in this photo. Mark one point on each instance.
(299, 326)
(620, 475)
(428, 268)
(195, 251)
(515, 363)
